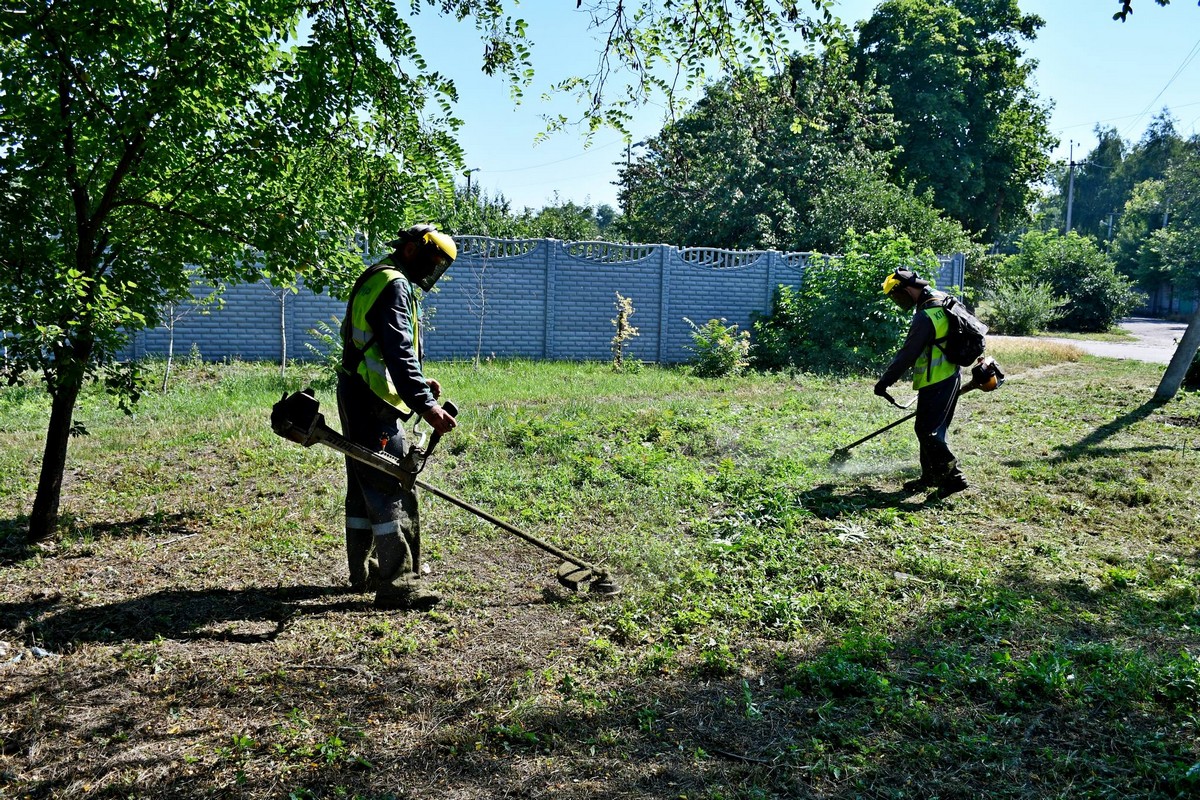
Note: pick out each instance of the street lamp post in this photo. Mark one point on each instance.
(468, 174)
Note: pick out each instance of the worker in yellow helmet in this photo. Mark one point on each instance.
(380, 386)
(935, 377)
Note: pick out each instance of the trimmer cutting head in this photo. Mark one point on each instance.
(573, 576)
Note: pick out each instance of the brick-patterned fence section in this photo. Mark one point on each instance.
(532, 298)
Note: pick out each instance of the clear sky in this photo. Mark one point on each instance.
(1092, 68)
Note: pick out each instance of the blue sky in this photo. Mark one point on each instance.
(1094, 69)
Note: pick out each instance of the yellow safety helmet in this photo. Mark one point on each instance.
(895, 284)
(437, 252)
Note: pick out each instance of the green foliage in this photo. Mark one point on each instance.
(327, 350)
(787, 163)
(479, 214)
(148, 141)
(838, 320)
(1178, 244)
(1021, 307)
(718, 350)
(1075, 269)
(973, 130)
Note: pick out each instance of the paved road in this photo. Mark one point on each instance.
(1156, 339)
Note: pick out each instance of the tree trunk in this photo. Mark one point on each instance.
(1184, 353)
(43, 519)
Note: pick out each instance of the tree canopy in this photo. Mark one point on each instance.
(790, 162)
(973, 131)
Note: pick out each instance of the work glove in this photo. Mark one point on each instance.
(881, 389)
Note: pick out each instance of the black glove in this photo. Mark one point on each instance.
(881, 389)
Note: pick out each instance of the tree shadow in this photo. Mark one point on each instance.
(1088, 446)
(15, 545)
(246, 616)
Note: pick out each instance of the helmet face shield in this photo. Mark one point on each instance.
(902, 298)
(438, 252)
(896, 286)
(433, 254)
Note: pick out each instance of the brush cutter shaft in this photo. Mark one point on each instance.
(884, 429)
(844, 452)
(296, 418)
(499, 523)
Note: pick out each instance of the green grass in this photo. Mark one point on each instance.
(785, 629)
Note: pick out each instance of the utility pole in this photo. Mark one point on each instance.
(468, 174)
(1071, 186)
(629, 149)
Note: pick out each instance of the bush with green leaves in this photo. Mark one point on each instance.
(1021, 307)
(1075, 269)
(838, 320)
(718, 349)
(327, 351)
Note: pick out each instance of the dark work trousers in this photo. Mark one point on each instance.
(376, 501)
(935, 411)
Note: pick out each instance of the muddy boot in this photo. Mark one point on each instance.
(403, 589)
(364, 570)
(951, 482)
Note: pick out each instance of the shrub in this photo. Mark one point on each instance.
(1021, 307)
(1076, 269)
(838, 320)
(327, 350)
(719, 350)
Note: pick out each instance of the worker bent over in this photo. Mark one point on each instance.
(380, 386)
(935, 377)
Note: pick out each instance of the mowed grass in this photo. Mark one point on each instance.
(785, 628)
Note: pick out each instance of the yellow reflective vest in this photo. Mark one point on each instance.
(371, 367)
(932, 365)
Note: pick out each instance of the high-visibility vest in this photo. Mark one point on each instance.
(371, 366)
(932, 365)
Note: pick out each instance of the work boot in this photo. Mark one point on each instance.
(406, 593)
(403, 588)
(952, 484)
(364, 570)
(918, 484)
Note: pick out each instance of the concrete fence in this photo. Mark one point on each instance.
(532, 298)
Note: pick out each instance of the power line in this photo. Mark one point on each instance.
(1065, 128)
(587, 152)
(1191, 56)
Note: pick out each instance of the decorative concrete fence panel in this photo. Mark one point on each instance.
(531, 298)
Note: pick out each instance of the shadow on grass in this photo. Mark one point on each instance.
(245, 616)
(831, 500)
(15, 546)
(1089, 446)
(1005, 694)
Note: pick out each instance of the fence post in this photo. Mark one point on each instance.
(773, 257)
(664, 299)
(550, 264)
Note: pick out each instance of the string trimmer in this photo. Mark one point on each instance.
(985, 376)
(296, 418)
